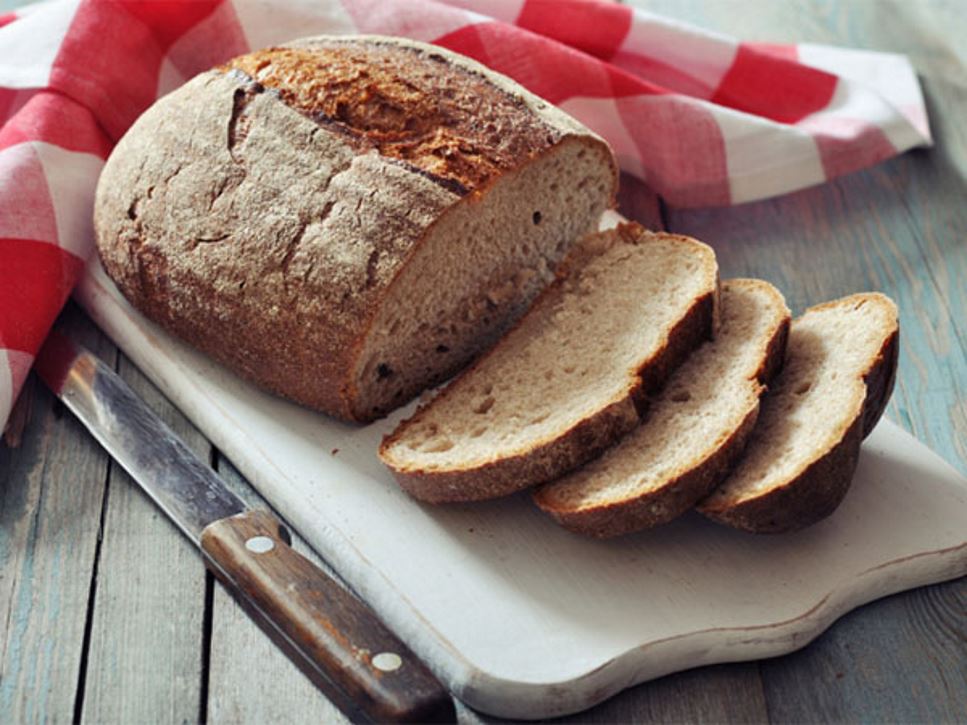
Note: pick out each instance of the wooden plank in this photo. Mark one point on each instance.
(50, 514)
(900, 659)
(145, 661)
(717, 694)
(241, 652)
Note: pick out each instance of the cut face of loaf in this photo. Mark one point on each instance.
(693, 430)
(478, 268)
(839, 371)
(564, 383)
(347, 220)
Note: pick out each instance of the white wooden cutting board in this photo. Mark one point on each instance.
(523, 619)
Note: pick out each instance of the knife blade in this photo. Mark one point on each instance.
(335, 638)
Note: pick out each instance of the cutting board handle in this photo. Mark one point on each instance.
(332, 635)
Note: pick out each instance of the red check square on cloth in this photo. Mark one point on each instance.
(703, 118)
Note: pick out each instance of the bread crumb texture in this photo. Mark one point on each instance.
(818, 397)
(582, 349)
(665, 465)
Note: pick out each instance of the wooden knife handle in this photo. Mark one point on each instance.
(334, 637)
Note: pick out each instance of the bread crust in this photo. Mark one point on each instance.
(460, 134)
(585, 440)
(659, 506)
(880, 382)
(679, 494)
(269, 241)
(809, 497)
(816, 491)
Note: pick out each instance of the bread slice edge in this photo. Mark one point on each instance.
(679, 494)
(586, 438)
(818, 487)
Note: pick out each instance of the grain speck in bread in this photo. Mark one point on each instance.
(566, 381)
(839, 371)
(693, 430)
(346, 220)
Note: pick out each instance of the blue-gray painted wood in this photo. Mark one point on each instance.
(900, 659)
(146, 641)
(51, 497)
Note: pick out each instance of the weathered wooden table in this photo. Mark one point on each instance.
(109, 616)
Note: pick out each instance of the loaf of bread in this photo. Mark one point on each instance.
(346, 220)
(570, 378)
(694, 429)
(839, 371)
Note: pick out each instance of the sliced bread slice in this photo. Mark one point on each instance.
(562, 385)
(693, 432)
(839, 371)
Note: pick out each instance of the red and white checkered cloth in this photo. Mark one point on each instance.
(703, 118)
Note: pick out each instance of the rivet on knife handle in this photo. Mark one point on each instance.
(340, 637)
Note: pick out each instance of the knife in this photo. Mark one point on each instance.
(335, 638)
